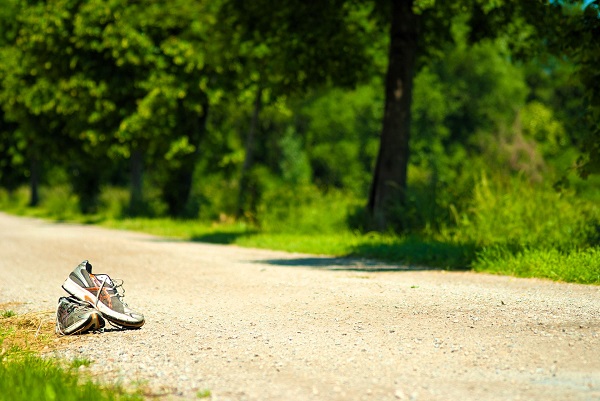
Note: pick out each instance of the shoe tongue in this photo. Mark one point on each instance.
(88, 266)
(106, 279)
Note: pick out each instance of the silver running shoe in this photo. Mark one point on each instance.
(100, 291)
(75, 317)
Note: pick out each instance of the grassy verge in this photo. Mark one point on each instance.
(577, 265)
(25, 376)
(506, 228)
(574, 265)
(383, 247)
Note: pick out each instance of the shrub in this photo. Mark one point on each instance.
(304, 209)
(579, 266)
(114, 202)
(514, 212)
(59, 202)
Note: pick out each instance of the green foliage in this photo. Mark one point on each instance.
(294, 165)
(85, 86)
(341, 130)
(540, 124)
(32, 378)
(79, 362)
(416, 252)
(303, 209)
(100, 80)
(465, 105)
(483, 90)
(282, 43)
(508, 226)
(518, 214)
(576, 265)
(12, 161)
(15, 201)
(114, 202)
(60, 202)
(577, 39)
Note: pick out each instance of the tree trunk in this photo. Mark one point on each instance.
(34, 182)
(249, 158)
(178, 188)
(137, 179)
(388, 188)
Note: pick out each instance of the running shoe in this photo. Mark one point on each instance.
(76, 317)
(100, 291)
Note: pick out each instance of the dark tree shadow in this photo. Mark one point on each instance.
(374, 255)
(404, 255)
(345, 264)
(222, 237)
(415, 251)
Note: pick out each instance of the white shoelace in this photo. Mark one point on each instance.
(99, 292)
(120, 293)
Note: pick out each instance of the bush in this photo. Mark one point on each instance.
(579, 266)
(59, 202)
(514, 212)
(113, 202)
(304, 209)
(16, 200)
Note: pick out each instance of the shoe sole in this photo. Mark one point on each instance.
(113, 316)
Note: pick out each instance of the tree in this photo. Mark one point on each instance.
(107, 81)
(417, 30)
(155, 61)
(389, 179)
(578, 39)
(287, 48)
(12, 169)
(27, 91)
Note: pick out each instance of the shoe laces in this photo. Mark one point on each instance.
(119, 290)
(117, 285)
(114, 283)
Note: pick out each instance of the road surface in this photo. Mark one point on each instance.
(251, 324)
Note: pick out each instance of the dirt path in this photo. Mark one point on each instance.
(260, 325)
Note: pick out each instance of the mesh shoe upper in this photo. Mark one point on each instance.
(103, 293)
(74, 316)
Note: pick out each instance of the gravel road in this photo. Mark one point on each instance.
(251, 324)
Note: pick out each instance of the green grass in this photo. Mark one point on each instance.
(25, 376)
(7, 313)
(78, 362)
(577, 266)
(383, 247)
(204, 394)
(506, 227)
(32, 378)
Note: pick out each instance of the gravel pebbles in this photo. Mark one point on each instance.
(249, 324)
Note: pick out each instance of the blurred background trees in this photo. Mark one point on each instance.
(263, 112)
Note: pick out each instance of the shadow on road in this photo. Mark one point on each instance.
(372, 255)
(221, 237)
(349, 264)
(402, 255)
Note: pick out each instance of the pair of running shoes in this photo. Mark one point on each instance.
(94, 299)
